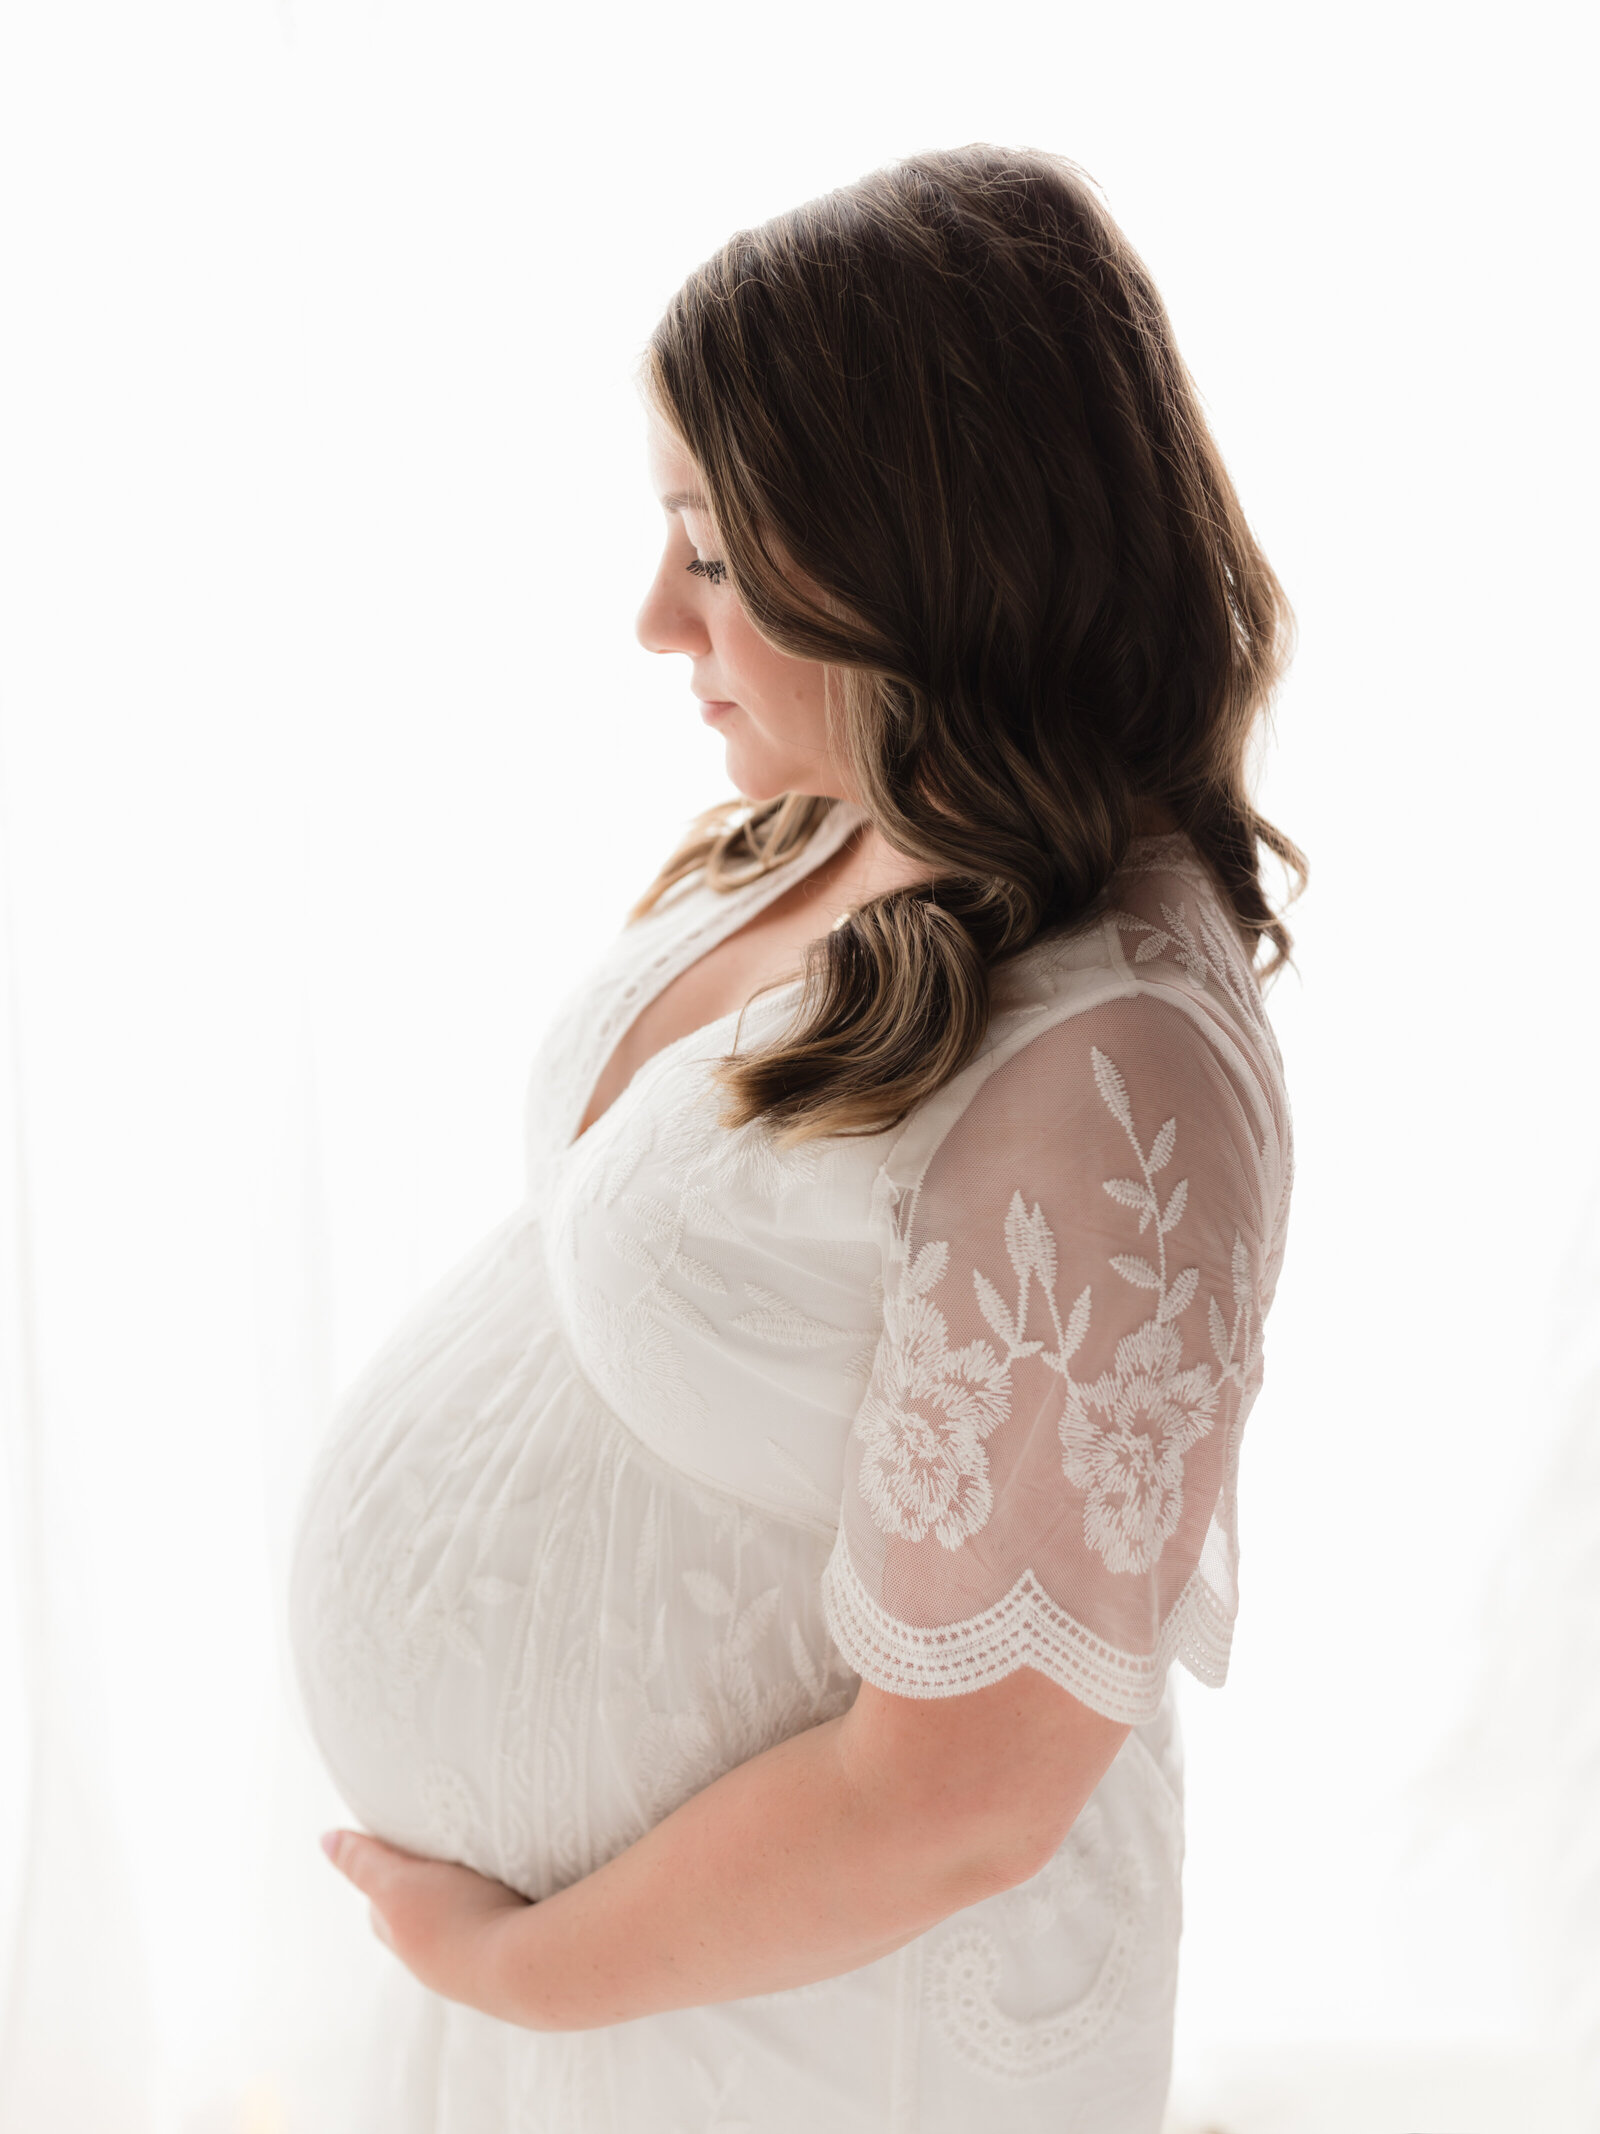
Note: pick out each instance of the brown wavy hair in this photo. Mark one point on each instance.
(951, 450)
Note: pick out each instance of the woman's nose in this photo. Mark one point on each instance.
(668, 622)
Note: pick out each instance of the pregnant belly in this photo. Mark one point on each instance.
(521, 1638)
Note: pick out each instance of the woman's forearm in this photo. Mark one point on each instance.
(814, 1858)
(787, 1869)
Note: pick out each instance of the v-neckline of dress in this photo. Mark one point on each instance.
(739, 907)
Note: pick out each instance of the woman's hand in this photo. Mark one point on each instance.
(447, 1925)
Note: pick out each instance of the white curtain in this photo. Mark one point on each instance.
(328, 760)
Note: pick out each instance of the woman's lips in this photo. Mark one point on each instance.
(715, 709)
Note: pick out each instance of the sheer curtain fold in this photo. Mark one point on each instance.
(71, 1946)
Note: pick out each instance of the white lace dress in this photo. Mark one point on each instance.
(707, 1431)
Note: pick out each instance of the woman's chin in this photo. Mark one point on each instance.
(752, 779)
(756, 778)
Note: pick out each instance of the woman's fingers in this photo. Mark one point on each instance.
(367, 1862)
(370, 1864)
(437, 1917)
(404, 1892)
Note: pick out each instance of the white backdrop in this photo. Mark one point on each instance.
(329, 760)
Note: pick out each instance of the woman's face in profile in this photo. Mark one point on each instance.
(768, 707)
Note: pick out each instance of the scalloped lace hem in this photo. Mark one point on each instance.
(1025, 1629)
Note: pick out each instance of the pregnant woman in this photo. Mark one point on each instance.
(739, 1602)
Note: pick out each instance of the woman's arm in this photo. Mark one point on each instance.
(832, 1849)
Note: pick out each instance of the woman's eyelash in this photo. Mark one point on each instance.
(714, 572)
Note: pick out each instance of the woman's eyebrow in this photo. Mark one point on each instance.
(684, 500)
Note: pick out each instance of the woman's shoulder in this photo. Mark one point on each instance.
(1156, 980)
(1162, 925)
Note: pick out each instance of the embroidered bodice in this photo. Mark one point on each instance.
(710, 1429)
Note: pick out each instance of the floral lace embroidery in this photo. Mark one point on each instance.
(1124, 1435)
(1203, 949)
(923, 1423)
(962, 1981)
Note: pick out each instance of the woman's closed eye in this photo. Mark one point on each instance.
(714, 573)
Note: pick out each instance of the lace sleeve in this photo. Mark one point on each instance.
(1042, 1471)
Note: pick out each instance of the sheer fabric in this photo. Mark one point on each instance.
(709, 1430)
(1043, 1469)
